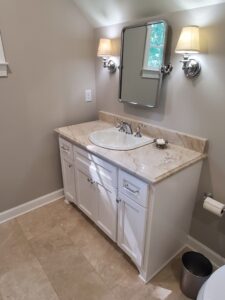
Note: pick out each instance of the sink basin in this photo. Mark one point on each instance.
(113, 139)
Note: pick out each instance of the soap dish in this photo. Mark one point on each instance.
(161, 143)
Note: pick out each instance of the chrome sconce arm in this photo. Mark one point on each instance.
(166, 69)
(191, 67)
(109, 64)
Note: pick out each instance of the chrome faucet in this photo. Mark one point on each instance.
(128, 128)
(120, 126)
(125, 127)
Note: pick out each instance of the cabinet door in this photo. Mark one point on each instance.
(86, 190)
(131, 228)
(68, 179)
(106, 217)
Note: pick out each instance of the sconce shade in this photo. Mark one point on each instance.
(189, 40)
(104, 48)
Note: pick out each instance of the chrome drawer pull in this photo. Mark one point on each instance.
(126, 185)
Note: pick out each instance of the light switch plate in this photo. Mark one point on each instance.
(88, 95)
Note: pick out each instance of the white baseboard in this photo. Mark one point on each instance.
(31, 205)
(216, 259)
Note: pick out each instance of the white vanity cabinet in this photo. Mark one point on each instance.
(86, 199)
(131, 228)
(96, 182)
(106, 217)
(132, 214)
(67, 164)
(149, 222)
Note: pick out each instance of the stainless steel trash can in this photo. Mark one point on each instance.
(195, 271)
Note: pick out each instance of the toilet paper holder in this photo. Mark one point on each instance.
(210, 195)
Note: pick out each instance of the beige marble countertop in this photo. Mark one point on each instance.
(148, 162)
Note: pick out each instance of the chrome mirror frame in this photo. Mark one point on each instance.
(165, 69)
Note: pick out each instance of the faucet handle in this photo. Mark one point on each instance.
(118, 123)
(138, 131)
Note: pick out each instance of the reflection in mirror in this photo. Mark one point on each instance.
(154, 50)
(142, 59)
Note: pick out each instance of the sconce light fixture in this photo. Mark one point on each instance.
(188, 43)
(105, 51)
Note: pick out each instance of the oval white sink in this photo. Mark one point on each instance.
(113, 139)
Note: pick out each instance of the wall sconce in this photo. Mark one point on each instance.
(188, 43)
(105, 51)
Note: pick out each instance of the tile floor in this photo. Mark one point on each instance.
(55, 253)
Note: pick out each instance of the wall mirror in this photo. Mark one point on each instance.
(142, 62)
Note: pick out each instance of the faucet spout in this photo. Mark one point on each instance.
(125, 127)
(128, 128)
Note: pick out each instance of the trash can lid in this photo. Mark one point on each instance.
(215, 287)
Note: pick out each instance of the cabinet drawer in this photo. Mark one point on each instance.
(97, 169)
(66, 149)
(133, 187)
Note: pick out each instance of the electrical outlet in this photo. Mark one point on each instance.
(88, 95)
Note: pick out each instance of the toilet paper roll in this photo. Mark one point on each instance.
(215, 207)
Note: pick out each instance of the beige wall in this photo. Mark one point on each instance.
(196, 107)
(49, 46)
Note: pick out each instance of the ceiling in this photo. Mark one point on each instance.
(109, 12)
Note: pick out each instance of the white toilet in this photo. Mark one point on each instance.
(214, 287)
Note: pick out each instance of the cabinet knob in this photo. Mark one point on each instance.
(90, 180)
(118, 200)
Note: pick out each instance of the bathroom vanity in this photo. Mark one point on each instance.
(142, 199)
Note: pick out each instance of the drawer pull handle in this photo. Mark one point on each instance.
(90, 180)
(126, 185)
(118, 200)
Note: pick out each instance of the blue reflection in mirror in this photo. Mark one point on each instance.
(154, 48)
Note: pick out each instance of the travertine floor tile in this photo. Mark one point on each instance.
(71, 275)
(81, 231)
(27, 281)
(56, 253)
(151, 292)
(108, 261)
(14, 248)
(45, 218)
(177, 296)
(51, 242)
(90, 287)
